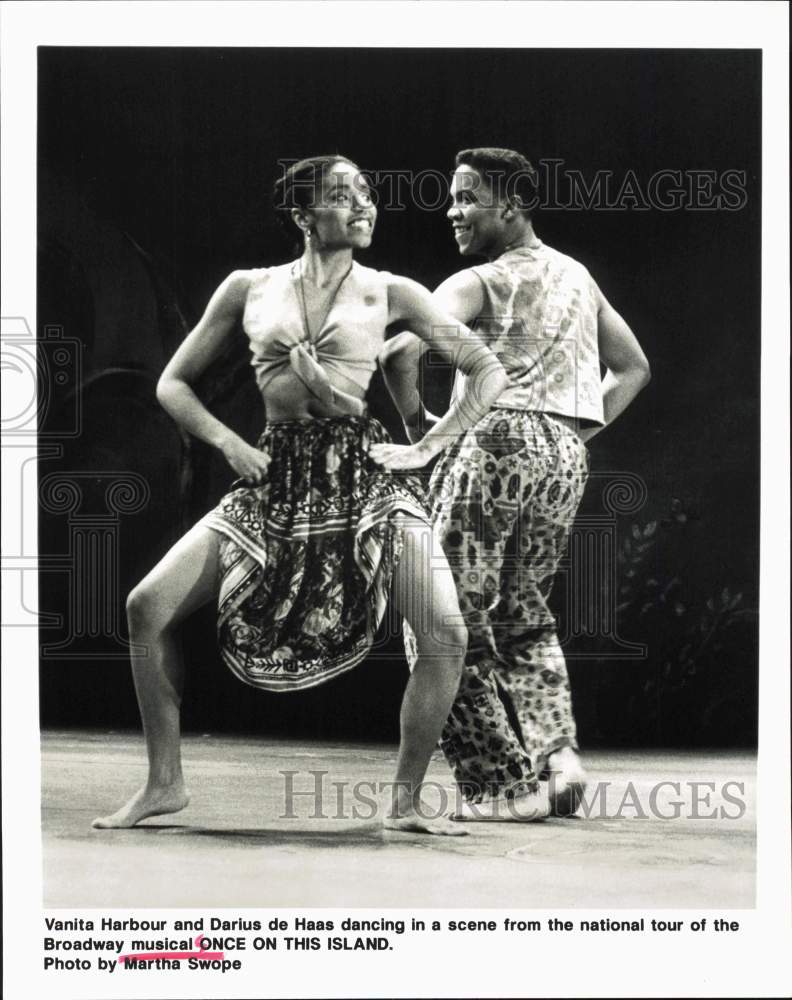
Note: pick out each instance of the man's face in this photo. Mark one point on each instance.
(475, 214)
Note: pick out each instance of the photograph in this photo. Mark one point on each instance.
(255, 261)
(395, 453)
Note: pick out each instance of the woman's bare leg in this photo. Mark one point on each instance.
(182, 581)
(425, 594)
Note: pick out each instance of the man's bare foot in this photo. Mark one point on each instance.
(411, 822)
(149, 801)
(567, 781)
(499, 809)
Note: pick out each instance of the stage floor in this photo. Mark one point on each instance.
(234, 847)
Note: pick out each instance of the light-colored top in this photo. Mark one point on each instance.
(540, 318)
(346, 346)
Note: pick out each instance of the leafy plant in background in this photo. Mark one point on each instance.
(698, 683)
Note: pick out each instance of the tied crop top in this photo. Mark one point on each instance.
(349, 341)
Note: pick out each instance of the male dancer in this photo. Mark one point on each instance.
(506, 492)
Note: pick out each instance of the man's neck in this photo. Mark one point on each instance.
(515, 240)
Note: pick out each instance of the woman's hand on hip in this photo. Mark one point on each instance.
(396, 457)
(248, 462)
(422, 422)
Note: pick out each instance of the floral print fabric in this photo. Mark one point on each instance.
(307, 557)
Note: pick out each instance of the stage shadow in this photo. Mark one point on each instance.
(367, 836)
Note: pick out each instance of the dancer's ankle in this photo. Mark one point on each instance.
(404, 796)
(164, 780)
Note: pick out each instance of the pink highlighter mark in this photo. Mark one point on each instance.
(146, 956)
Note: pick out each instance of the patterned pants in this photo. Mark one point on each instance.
(504, 498)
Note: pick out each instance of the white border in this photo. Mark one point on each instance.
(755, 963)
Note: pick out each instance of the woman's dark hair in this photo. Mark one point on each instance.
(300, 186)
(510, 175)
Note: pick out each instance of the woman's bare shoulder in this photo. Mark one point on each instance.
(244, 281)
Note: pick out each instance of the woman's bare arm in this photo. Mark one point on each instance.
(462, 297)
(400, 360)
(207, 341)
(411, 303)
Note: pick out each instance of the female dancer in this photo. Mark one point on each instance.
(307, 549)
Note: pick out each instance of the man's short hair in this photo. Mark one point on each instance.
(510, 175)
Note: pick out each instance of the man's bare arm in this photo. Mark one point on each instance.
(627, 366)
(461, 296)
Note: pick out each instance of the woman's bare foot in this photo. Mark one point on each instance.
(149, 801)
(567, 781)
(411, 822)
(409, 814)
(499, 809)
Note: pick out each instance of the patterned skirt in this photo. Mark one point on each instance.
(306, 559)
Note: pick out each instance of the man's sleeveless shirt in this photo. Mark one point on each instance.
(540, 318)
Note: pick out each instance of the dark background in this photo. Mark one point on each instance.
(155, 167)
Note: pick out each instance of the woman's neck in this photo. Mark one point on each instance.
(324, 267)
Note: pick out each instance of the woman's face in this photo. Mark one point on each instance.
(344, 215)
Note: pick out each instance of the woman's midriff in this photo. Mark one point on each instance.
(286, 397)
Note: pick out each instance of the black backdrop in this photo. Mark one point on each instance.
(155, 167)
